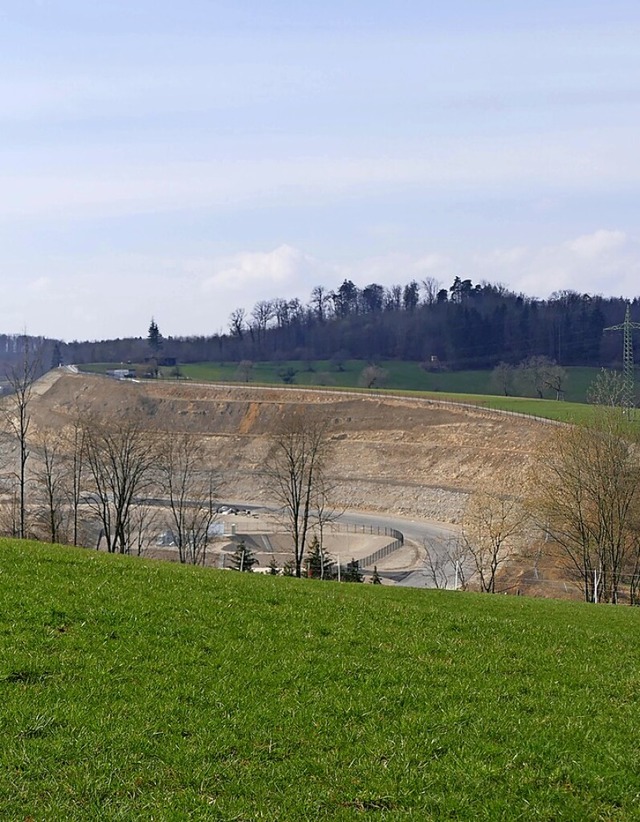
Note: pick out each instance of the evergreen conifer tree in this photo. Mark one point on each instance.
(353, 572)
(243, 558)
(289, 569)
(154, 337)
(319, 563)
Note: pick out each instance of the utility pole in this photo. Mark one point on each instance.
(628, 373)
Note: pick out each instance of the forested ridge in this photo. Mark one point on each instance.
(464, 326)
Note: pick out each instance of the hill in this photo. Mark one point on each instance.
(465, 326)
(405, 455)
(133, 689)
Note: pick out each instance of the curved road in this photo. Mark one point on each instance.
(434, 535)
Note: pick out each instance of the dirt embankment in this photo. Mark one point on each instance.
(402, 455)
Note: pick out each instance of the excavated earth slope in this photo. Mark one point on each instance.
(405, 456)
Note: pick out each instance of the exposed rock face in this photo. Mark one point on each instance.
(404, 455)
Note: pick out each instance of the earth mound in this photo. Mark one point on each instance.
(409, 456)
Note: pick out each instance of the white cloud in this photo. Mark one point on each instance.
(431, 264)
(597, 243)
(603, 262)
(504, 256)
(281, 268)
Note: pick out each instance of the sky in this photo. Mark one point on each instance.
(180, 160)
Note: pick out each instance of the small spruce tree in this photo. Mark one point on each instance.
(319, 563)
(56, 356)
(243, 558)
(353, 572)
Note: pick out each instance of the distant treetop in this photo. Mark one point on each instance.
(154, 337)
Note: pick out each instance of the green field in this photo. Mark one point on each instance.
(400, 376)
(142, 690)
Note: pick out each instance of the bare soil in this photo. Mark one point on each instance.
(408, 456)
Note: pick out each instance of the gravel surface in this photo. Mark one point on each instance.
(397, 455)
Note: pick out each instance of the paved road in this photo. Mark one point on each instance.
(434, 535)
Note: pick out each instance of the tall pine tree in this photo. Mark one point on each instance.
(154, 337)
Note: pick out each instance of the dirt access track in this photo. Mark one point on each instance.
(405, 456)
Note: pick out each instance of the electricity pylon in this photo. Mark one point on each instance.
(628, 374)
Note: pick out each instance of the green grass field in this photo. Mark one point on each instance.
(401, 375)
(406, 376)
(142, 690)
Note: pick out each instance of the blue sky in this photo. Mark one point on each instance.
(181, 160)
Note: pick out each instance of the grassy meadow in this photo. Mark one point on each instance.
(401, 375)
(133, 689)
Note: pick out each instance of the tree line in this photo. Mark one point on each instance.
(465, 325)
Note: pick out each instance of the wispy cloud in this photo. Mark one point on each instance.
(597, 243)
(158, 162)
(281, 271)
(606, 261)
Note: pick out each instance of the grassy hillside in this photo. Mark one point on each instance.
(400, 375)
(141, 690)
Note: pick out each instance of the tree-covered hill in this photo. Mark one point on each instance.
(465, 326)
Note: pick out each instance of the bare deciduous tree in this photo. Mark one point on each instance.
(373, 377)
(75, 455)
(191, 489)
(538, 373)
(18, 416)
(447, 563)
(138, 525)
(325, 512)
(51, 481)
(119, 457)
(430, 287)
(243, 371)
(490, 525)
(587, 492)
(502, 378)
(295, 475)
(319, 301)
(262, 313)
(607, 388)
(237, 323)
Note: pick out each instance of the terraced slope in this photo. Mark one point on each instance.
(394, 454)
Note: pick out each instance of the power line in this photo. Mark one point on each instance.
(628, 375)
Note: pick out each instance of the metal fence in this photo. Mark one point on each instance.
(372, 559)
(375, 530)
